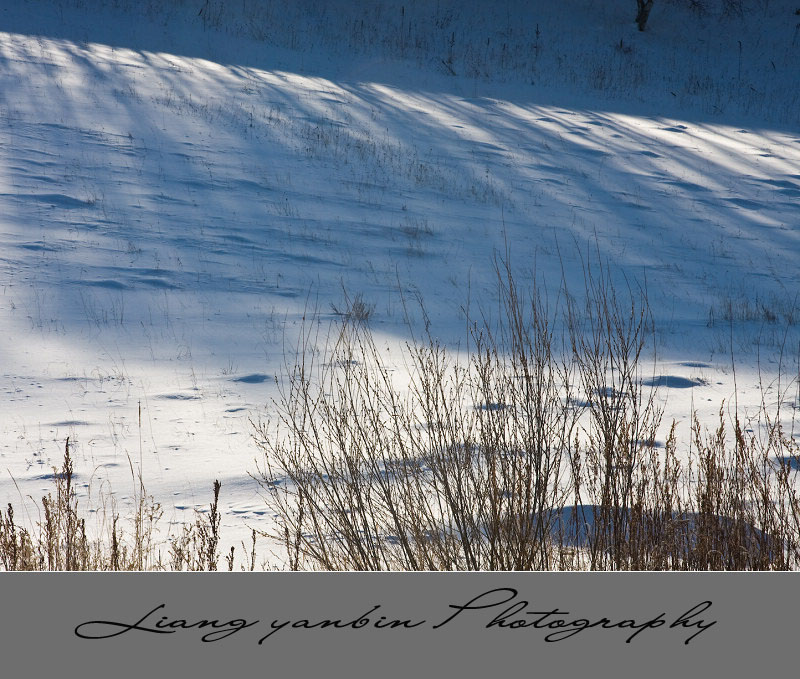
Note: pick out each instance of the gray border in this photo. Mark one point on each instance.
(754, 624)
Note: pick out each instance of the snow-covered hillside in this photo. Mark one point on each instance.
(177, 189)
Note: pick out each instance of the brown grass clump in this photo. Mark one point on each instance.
(59, 540)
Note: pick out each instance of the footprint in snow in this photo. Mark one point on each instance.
(255, 378)
(491, 406)
(674, 382)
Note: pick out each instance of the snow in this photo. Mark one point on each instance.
(174, 198)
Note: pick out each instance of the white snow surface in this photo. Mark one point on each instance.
(174, 194)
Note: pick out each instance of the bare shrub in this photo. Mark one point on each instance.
(539, 451)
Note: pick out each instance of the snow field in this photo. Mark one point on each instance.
(167, 221)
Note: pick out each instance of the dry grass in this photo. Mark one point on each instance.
(539, 452)
(59, 540)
